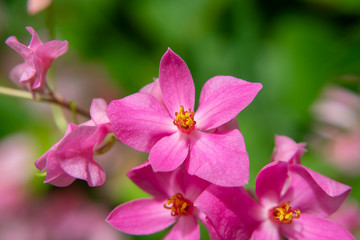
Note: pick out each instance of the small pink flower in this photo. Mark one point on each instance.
(173, 133)
(73, 156)
(287, 150)
(38, 58)
(337, 128)
(294, 202)
(174, 201)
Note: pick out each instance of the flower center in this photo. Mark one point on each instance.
(185, 120)
(284, 213)
(178, 205)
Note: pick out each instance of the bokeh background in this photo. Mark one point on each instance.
(306, 53)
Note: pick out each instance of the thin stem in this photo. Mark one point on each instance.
(15, 93)
(53, 98)
(60, 101)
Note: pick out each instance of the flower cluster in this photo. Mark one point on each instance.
(197, 165)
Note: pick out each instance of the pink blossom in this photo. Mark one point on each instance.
(16, 153)
(38, 58)
(75, 218)
(287, 150)
(73, 156)
(294, 202)
(337, 114)
(64, 214)
(173, 133)
(174, 202)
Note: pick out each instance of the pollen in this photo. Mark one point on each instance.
(284, 213)
(184, 120)
(178, 205)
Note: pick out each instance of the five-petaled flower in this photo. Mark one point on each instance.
(294, 202)
(38, 58)
(174, 201)
(174, 133)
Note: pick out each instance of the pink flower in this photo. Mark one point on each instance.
(287, 150)
(337, 138)
(16, 153)
(73, 156)
(75, 218)
(174, 201)
(38, 58)
(294, 202)
(173, 133)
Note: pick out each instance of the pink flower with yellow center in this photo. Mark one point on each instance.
(174, 202)
(165, 124)
(293, 202)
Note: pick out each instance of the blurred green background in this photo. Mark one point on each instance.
(294, 48)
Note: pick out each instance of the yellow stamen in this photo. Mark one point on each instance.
(284, 213)
(185, 120)
(178, 205)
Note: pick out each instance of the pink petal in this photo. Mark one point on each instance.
(270, 182)
(44, 56)
(139, 120)
(97, 111)
(176, 83)
(329, 186)
(231, 212)
(222, 98)
(232, 124)
(191, 186)
(35, 40)
(16, 72)
(52, 49)
(185, 228)
(313, 193)
(41, 162)
(154, 90)
(287, 150)
(75, 154)
(55, 175)
(20, 48)
(156, 184)
(267, 230)
(170, 152)
(219, 158)
(28, 74)
(142, 216)
(314, 228)
(62, 180)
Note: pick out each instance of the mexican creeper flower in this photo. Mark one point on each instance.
(73, 156)
(173, 133)
(294, 202)
(174, 201)
(38, 58)
(287, 150)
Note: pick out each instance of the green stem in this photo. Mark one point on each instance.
(15, 93)
(54, 98)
